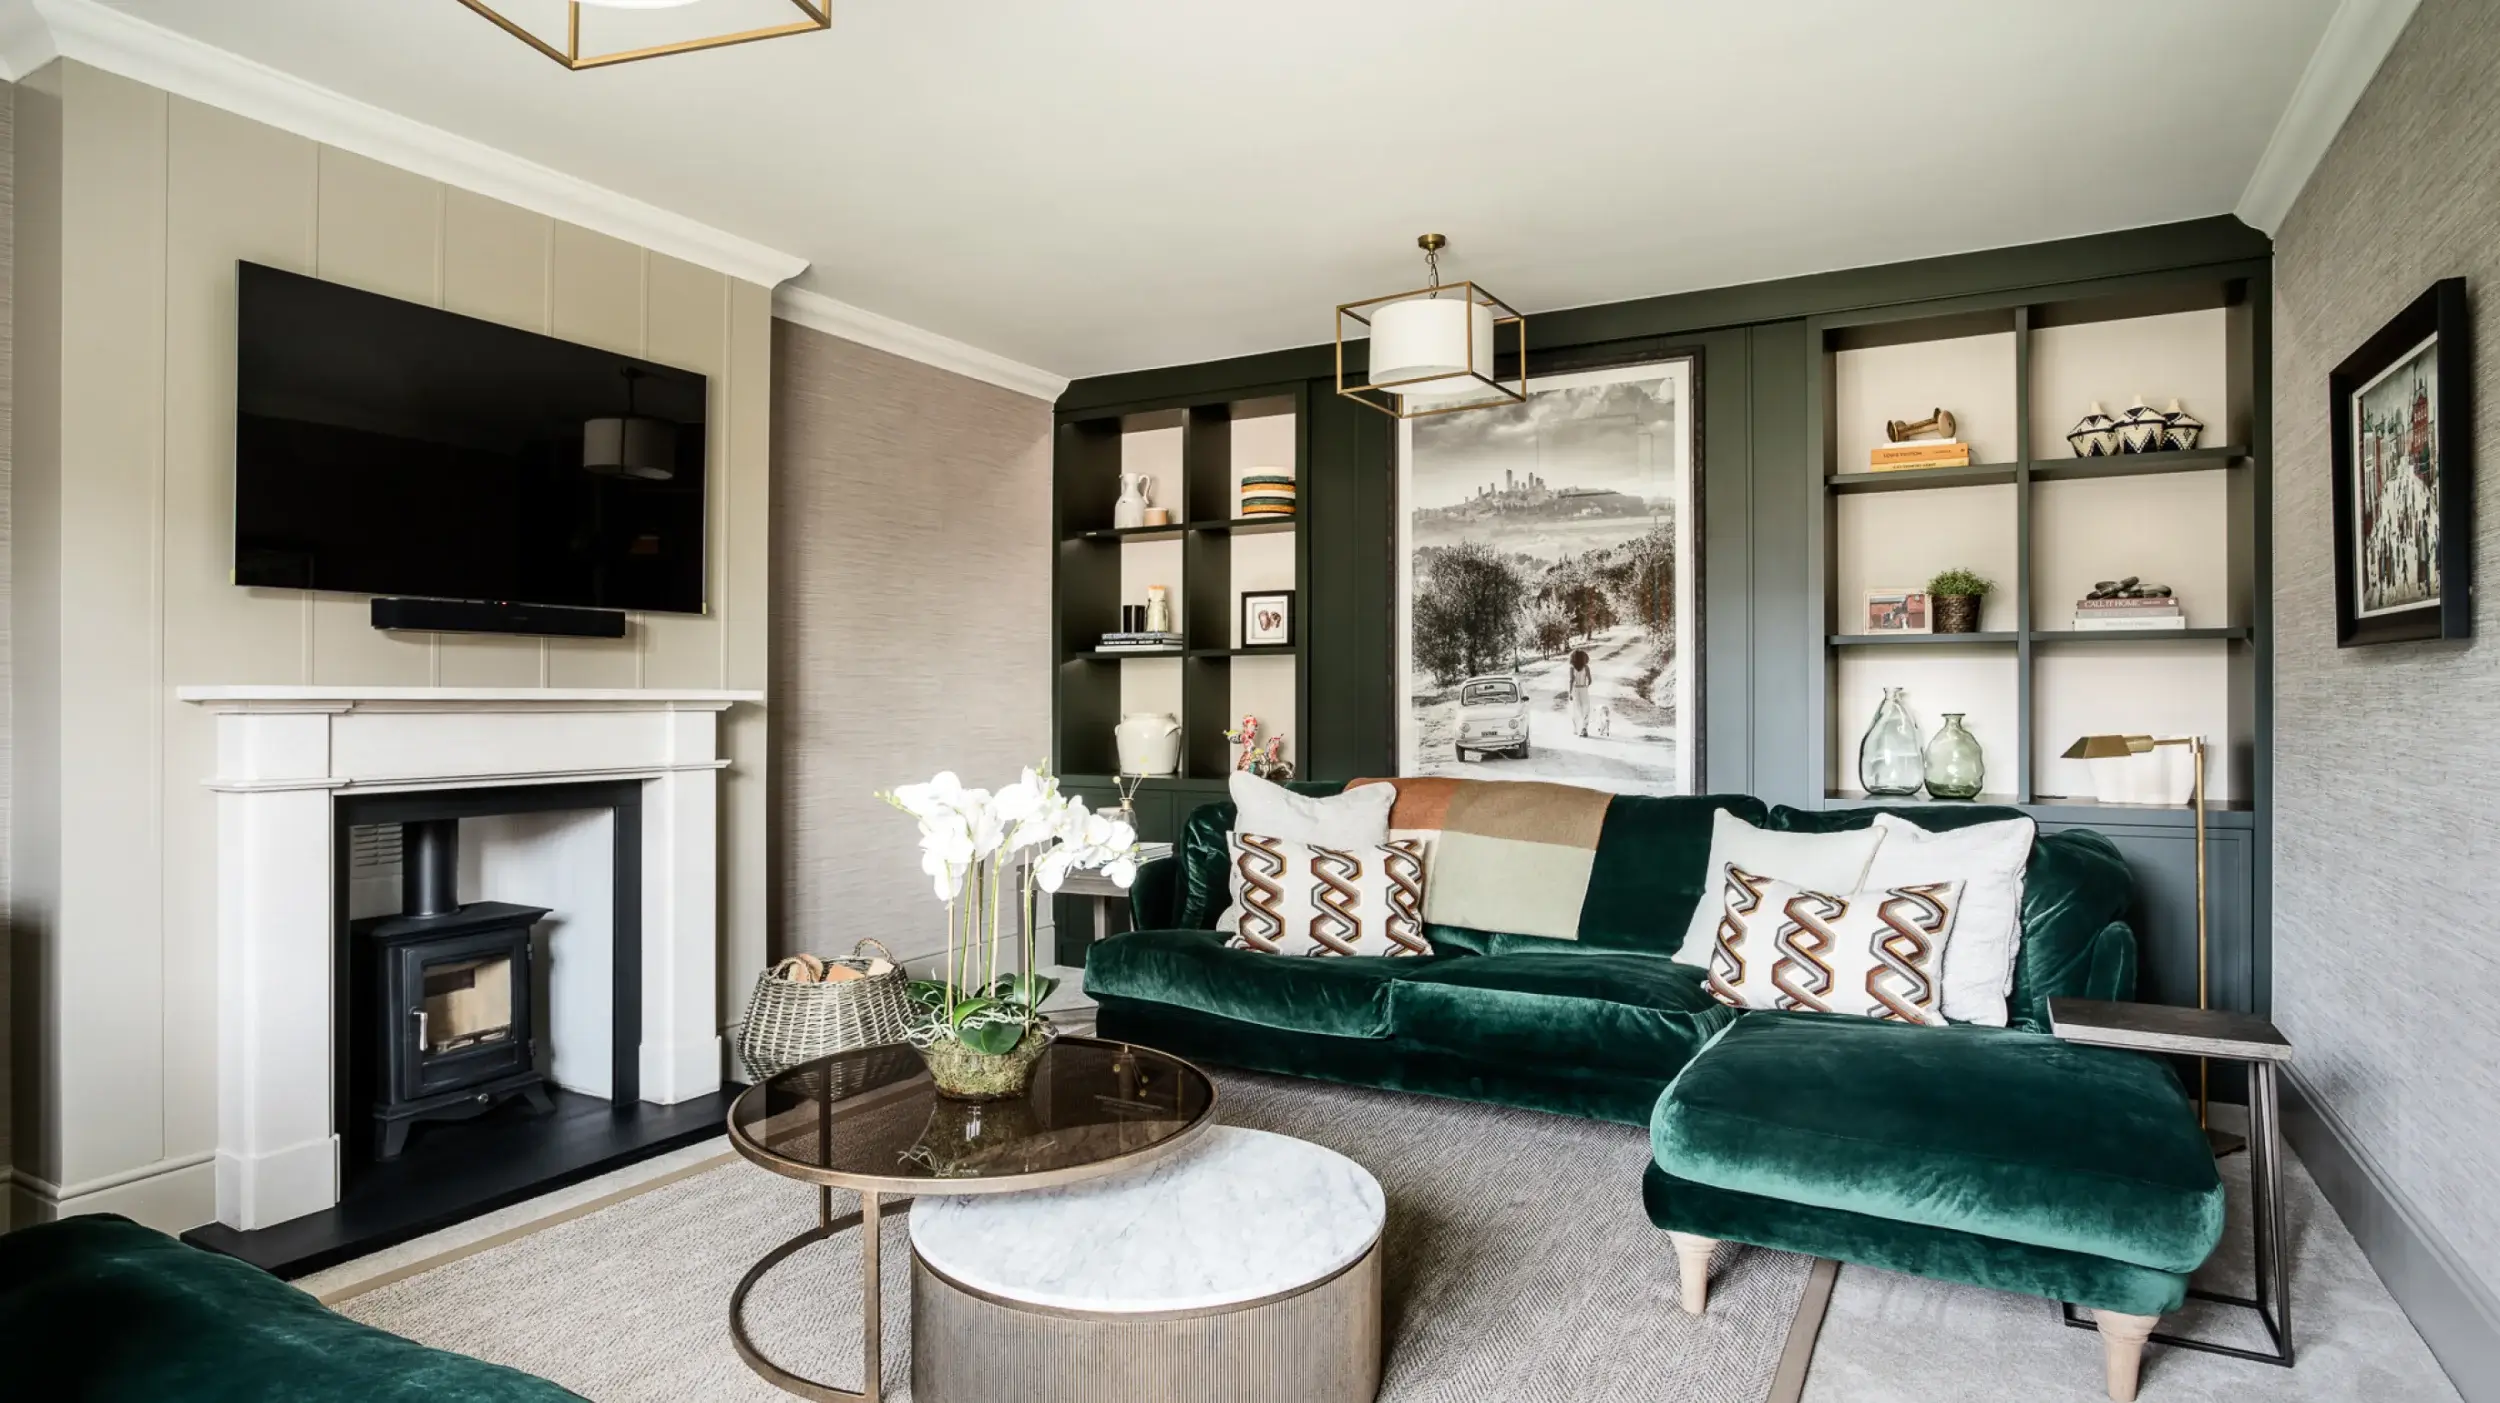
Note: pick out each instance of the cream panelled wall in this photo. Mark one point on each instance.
(126, 503)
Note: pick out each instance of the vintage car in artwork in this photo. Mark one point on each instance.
(1492, 717)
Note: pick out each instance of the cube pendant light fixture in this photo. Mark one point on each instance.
(818, 14)
(1432, 349)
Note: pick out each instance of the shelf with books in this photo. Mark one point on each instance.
(2139, 635)
(1912, 479)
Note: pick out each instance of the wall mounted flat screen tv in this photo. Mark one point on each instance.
(383, 447)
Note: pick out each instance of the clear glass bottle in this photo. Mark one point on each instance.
(1955, 768)
(1891, 759)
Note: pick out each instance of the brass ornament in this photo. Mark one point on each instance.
(819, 16)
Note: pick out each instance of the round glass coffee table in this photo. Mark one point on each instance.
(870, 1120)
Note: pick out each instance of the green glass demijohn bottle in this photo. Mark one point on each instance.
(1889, 762)
(1954, 766)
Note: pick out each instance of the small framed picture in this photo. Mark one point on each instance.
(1898, 611)
(2401, 457)
(1267, 618)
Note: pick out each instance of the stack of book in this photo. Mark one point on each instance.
(1930, 453)
(2096, 614)
(1140, 642)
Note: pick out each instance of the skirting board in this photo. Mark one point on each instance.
(169, 1197)
(2455, 1313)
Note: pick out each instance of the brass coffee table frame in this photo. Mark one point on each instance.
(880, 1194)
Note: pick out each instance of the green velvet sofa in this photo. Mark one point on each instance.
(98, 1309)
(1999, 1157)
(1594, 1027)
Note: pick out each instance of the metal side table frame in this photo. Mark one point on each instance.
(2234, 1037)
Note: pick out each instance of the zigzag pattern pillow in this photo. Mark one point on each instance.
(1876, 954)
(1302, 899)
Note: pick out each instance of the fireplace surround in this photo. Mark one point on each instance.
(298, 765)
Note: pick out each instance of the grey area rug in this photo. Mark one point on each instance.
(1520, 1267)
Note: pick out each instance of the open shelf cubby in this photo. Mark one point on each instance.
(1194, 454)
(2018, 372)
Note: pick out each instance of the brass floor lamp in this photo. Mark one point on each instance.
(2118, 748)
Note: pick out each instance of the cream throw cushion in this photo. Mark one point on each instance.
(1305, 899)
(1815, 861)
(1878, 953)
(1988, 860)
(1358, 818)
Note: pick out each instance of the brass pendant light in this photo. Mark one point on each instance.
(819, 15)
(1432, 349)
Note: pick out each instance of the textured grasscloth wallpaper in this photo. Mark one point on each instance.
(910, 622)
(2387, 836)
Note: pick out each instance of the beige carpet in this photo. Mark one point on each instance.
(1520, 1267)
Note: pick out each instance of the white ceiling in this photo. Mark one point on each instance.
(1101, 185)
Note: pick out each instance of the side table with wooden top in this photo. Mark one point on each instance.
(2233, 1037)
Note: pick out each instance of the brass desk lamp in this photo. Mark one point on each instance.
(2119, 747)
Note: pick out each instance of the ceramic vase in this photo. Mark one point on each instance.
(2180, 428)
(1955, 768)
(2141, 428)
(2095, 435)
(1891, 761)
(1149, 743)
(1130, 510)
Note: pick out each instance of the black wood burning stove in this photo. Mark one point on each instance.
(450, 986)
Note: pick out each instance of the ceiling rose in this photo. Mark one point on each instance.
(819, 15)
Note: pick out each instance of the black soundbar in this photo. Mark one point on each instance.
(478, 616)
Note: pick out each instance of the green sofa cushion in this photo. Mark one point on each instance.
(2074, 888)
(1345, 996)
(1600, 1008)
(1679, 1205)
(98, 1307)
(1652, 861)
(1990, 1131)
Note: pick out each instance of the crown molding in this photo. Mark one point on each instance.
(2357, 38)
(818, 312)
(33, 32)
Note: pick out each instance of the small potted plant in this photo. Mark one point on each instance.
(1956, 594)
(980, 1027)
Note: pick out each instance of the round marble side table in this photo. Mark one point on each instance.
(1242, 1269)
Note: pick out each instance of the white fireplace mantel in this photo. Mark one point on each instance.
(284, 752)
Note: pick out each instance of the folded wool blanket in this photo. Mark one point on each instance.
(1501, 855)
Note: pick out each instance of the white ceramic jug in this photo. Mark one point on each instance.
(1150, 743)
(1130, 510)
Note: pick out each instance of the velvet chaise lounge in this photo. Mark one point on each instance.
(2000, 1157)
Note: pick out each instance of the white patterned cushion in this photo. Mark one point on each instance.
(1303, 899)
(1878, 953)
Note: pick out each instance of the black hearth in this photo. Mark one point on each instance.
(450, 989)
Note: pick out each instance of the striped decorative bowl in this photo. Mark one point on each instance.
(1267, 494)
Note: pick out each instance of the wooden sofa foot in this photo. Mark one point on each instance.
(1692, 1265)
(2122, 1349)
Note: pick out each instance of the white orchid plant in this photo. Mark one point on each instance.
(981, 849)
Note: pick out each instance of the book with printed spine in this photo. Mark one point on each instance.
(2092, 623)
(1934, 453)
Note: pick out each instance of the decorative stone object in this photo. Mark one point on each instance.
(2181, 429)
(2129, 588)
(2095, 435)
(2141, 429)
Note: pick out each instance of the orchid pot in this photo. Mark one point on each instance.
(990, 858)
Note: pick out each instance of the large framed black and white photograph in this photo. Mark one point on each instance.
(1548, 622)
(2403, 484)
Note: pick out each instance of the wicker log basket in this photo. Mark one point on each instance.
(807, 1007)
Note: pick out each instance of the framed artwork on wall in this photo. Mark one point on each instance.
(1548, 584)
(2401, 413)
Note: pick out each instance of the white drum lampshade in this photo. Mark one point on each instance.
(1432, 349)
(1435, 341)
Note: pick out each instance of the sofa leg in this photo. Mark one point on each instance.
(1692, 1266)
(2122, 1349)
